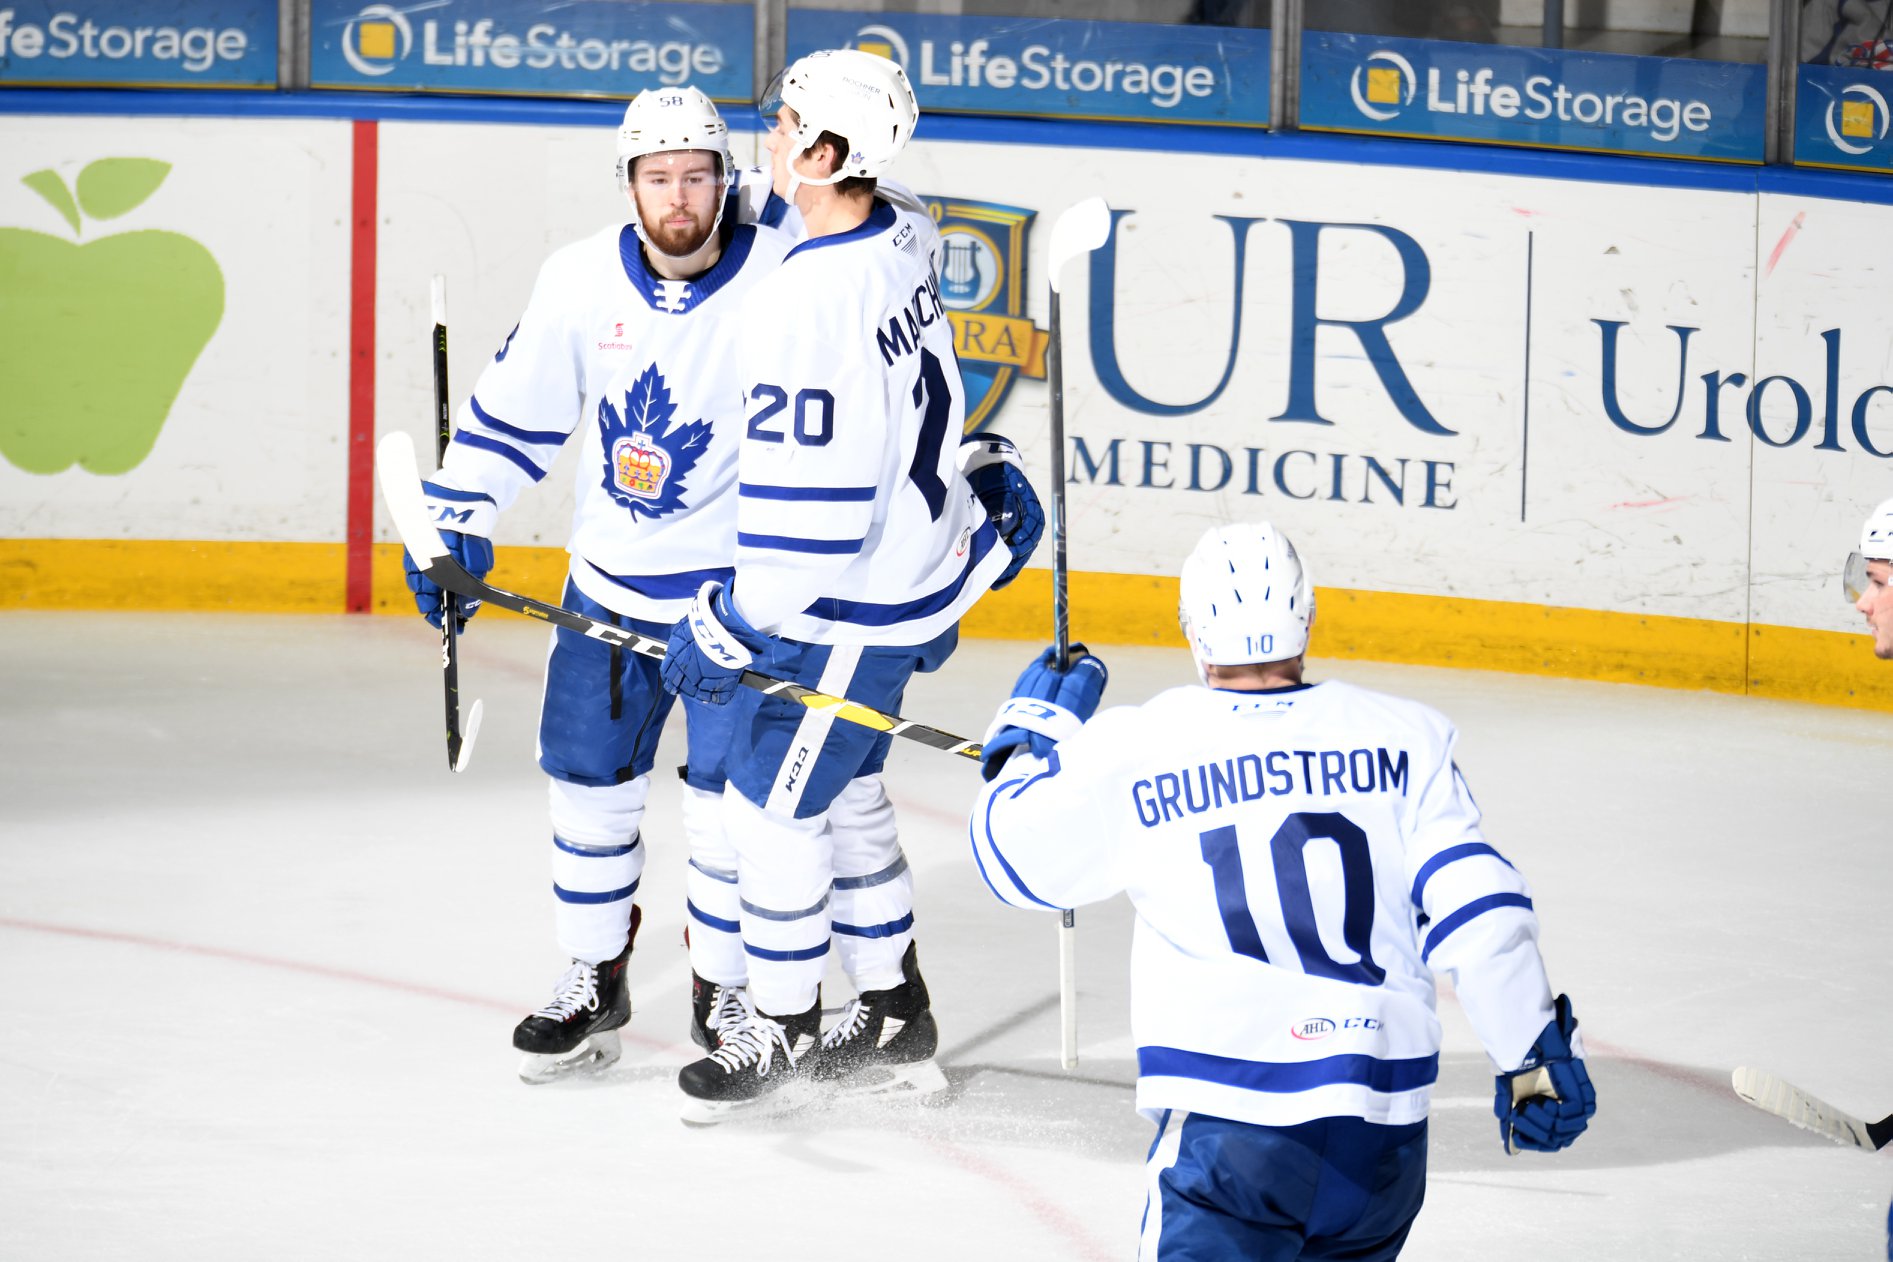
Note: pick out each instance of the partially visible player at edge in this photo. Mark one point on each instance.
(627, 338)
(1867, 578)
(860, 543)
(1303, 857)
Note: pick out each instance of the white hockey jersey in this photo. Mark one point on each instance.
(854, 523)
(1301, 863)
(643, 366)
(757, 202)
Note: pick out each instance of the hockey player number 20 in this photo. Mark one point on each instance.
(1287, 852)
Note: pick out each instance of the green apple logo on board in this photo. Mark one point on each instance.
(96, 339)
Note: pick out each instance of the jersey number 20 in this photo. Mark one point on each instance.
(814, 414)
(1287, 852)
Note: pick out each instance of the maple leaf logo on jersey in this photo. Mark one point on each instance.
(647, 458)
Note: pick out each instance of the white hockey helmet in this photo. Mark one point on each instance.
(672, 120)
(1876, 544)
(1245, 597)
(860, 96)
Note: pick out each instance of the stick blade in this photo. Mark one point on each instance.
(469, 729)
(1795, 1106)
(1078, 230)
(400, 479)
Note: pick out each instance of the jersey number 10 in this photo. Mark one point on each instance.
(1287, 850)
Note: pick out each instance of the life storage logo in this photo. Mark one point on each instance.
(1004, 63)
(72, 36)
(376, 39)
(1386, 84)
(1859, 115)
(1383, 86)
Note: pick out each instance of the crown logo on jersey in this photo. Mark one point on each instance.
(646, 458)
(982, 283)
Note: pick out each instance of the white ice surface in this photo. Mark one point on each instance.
(260, 954)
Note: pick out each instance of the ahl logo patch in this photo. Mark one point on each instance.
(1312, 1029)
(646, 458)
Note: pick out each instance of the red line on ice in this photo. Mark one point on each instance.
(287, 965)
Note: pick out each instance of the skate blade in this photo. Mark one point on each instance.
(784, 1101)
(922, 1082)
(597, 1053)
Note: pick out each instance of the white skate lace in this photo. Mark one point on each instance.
(727, 1008)
(748, 1043)
(854, 1019)
(577, 989)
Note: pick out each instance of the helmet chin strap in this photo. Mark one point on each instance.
(797, 179)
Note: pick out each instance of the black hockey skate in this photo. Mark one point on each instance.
(758, 1056)
(884, 1042)
(578, 1030)
(713, 1006)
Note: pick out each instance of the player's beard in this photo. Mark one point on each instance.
(679, 242)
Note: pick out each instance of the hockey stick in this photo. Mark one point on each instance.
(401, 490)
(1078, 231)
(459, 742)
(1789, 1102)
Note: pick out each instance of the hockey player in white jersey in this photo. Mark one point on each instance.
(1303, 858)
(627, 342)
(1868, 580)
(860, 543)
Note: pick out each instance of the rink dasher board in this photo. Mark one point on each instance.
(1413, 383)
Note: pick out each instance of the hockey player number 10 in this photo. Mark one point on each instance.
(1287, 849)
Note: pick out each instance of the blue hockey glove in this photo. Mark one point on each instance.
(997, 475)
(710, 647)
(1546, 1103)
(470, 546)
(1046, 706)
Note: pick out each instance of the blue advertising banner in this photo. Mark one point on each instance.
(1050, 68)
(608, 48)
(138, 43)
(1542, 97)
(1841, 116)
